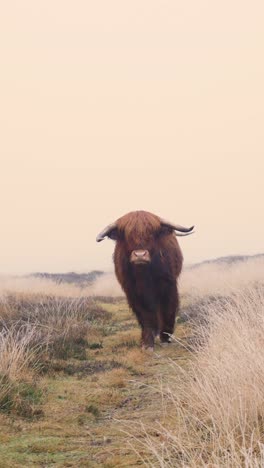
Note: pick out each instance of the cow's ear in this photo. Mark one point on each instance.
(165, 230)
(114, 234)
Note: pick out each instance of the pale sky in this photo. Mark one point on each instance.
(112, 106)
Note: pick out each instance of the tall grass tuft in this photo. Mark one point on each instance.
(18, 363)
(216, 404)
(35, 330)
(60, 323)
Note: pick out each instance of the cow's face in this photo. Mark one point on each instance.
(137, 233)
(140, 233)
(141, 246)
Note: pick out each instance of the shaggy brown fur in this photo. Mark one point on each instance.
(151, 288)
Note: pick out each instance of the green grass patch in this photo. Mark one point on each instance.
(21, 398)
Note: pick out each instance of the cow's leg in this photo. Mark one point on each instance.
(147, 338)
(168, 310)
(149, 326)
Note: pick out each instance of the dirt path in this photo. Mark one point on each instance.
(93, 410)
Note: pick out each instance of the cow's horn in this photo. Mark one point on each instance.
(105, 232)
(176, 227)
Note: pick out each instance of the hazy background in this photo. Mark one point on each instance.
(111, 106)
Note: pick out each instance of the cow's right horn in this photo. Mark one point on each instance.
(105, 232)
(177, 227)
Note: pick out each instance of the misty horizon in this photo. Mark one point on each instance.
(225, 259)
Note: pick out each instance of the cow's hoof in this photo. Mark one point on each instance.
(148, 349)
(165, 338)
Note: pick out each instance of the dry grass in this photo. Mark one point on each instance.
(16, 358)
(116, 378)
(58, 322)
(16, 351)
(197, 402)
(18, 365)
(37, 331)
(215, 405)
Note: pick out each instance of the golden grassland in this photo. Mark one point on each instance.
(77, 390)
(78, 408)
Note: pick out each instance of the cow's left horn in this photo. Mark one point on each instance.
(176, 227)
(105, 232)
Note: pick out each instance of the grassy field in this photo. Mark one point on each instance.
(77, 390)
(86, 398)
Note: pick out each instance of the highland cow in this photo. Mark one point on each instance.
(148, 261)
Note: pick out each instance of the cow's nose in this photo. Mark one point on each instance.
(140, 256)
(140, 253)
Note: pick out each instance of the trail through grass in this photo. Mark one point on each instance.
(93, 405)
